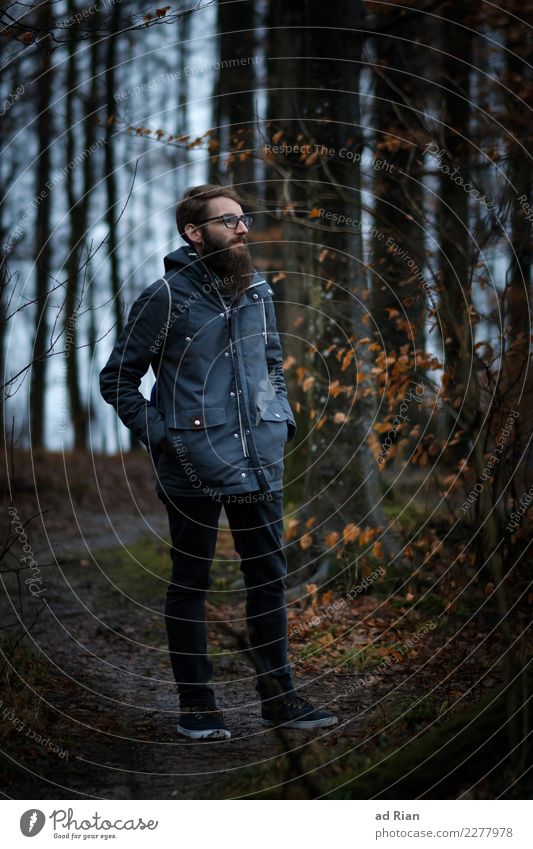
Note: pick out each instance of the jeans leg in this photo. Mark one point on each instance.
(193, 530)
(257, 529)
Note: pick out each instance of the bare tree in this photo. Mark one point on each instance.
(43, 247)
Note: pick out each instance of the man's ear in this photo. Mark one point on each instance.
(194, 234)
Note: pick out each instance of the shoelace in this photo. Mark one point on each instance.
(297, 702)
(200, 710)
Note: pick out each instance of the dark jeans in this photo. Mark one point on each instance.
(257, 528)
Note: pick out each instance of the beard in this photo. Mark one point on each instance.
(233, 265)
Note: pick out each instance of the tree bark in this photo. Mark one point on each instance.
(319, 106)
(43, 250)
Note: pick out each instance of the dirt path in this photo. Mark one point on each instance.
(120, 705)
(108, 699)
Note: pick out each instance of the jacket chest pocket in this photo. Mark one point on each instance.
(197, 418)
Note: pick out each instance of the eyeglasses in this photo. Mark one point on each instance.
(231, 221)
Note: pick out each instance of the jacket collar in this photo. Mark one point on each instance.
(187, 260)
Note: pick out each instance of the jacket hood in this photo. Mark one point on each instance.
(184, 257)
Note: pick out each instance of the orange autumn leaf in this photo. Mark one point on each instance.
(348, 357)
(310, 522)
(315, 213)
(350, 533)
(332, 538)
(292, 528)
(377, 549)
(334, 388)
(366, 536)
(306, 541)
(382, 427)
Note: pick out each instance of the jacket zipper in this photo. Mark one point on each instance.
(243, 437)
(264, 320)
(241, 429)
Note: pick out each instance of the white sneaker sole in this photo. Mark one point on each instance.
(207, 734)
(304, 724)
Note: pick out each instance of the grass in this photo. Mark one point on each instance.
(25, 718)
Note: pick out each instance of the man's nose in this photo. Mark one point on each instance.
(241, 226)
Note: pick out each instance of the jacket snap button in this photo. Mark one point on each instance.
(256, 295)
(232, 394)
(259, 472)
(226, 354)
(270, 292)
(221, 314)
(243, 474)
(277, 415)
(247, 431)
(236, 435)
(187, 338)
(197, 421)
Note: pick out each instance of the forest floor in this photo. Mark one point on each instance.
(88, 707)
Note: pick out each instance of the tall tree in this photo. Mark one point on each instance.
(397, 187)
(78, 197)
(43, 248)
(234, 95)
(519, 80)
(322, 187)
(111, 180)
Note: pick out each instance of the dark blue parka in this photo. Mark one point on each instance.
(219, 398)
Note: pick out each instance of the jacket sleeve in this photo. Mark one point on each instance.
(274, 355)
(136, 349)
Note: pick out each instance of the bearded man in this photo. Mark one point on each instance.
(216, 427)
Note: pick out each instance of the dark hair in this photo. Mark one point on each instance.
(192, 208)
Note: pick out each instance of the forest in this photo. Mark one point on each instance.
(382, 150)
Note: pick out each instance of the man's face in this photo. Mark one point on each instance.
(225, 250)
(215, 236)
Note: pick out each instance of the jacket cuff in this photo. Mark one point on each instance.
(291, 423)
(156, 433)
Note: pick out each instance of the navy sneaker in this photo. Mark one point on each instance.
(292, 711)
(203, 722)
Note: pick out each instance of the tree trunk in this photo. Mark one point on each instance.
(110, 166)
(398, 193)
(321, 109)
(43, 251)
(234, 96)
(78, 204)
(456, 253)
(517, 384)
